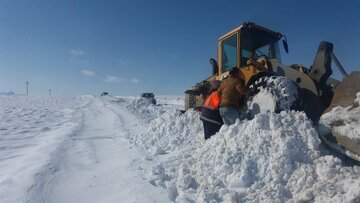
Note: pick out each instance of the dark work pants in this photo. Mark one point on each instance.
(210, 128)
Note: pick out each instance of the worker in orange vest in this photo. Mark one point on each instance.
(210, 114)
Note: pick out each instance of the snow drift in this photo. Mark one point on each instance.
(344, 120)
(272, 158)
(171, 131)
(342, 124)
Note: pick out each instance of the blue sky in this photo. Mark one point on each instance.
(128, 46)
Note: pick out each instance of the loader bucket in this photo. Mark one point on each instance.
(345, 92)
(338, 132)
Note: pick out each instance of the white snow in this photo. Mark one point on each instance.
(272, 158)
(125, 149)
(31, 128)
(344, 120)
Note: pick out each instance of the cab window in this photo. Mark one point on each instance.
(229, 53)
(256, 43)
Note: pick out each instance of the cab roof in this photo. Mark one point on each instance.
(251, 25)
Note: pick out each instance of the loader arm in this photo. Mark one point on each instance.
(338, 93)
(321, 68)
(321, 71)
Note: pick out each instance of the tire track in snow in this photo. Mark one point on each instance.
(44, 180)
(94, 165)
(130, 121)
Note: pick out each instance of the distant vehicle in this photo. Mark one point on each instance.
(104, 94)
(149, 96)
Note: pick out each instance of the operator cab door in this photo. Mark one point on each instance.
(229, 56)
(228, 53)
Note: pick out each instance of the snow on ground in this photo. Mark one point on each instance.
(99, 166)
(125, 149)
(70, 149)
(31, 128)
(274, 157)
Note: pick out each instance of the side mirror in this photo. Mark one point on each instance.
(215, 67)
(286, 47)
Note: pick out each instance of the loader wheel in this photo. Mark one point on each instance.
(272, 94)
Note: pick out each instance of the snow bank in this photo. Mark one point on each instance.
(344, 120)
(177, 101)
(171, 131)
(272, 158)
(250, 160)
(142, 108)
(167, 129)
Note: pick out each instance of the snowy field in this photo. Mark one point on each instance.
(124, 149)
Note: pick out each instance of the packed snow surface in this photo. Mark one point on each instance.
(125, 149)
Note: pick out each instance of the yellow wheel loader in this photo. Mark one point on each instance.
(273, 86)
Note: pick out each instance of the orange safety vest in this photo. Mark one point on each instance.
(213, 101)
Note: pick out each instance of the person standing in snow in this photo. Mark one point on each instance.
(210, 114)
(231, 91)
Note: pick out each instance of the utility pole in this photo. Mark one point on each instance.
(27, 88)
(50, 92)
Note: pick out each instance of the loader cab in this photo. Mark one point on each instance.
(249, 41)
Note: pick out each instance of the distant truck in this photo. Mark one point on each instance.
(149, 96)
(104, 94)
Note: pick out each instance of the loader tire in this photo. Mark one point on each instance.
(272, 94)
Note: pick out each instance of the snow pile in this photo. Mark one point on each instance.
(177, 101)
(167, 128)
(143, 109)
(171, 131)
(113, 99)
(344, 120)
(274, 157)
(253, 160)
